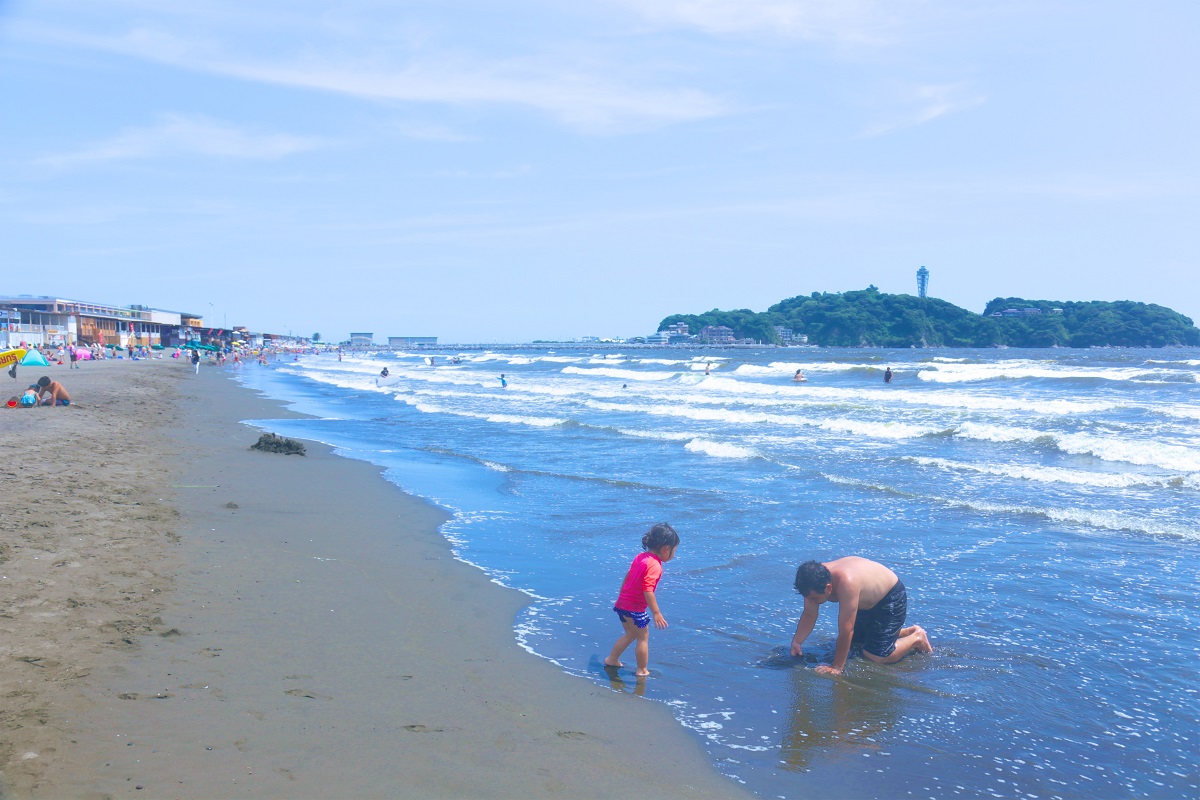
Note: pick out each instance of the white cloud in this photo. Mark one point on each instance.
(849, 21)
(925, 104)
(577, 96)
(176, 134)
(430, 132)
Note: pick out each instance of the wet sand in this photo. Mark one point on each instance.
(184, 617)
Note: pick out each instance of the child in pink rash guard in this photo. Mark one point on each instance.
(637, 595)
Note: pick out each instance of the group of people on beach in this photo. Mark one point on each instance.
(45, 392)
(872, 606)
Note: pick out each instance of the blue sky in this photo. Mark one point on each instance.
(531, 169)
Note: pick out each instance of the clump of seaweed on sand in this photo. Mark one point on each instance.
(270, 443)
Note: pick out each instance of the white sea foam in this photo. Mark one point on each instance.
(621, 374)
(719, 449)
(1181, 412)
(1022, 369)
(1092, 518)
(878, 430)
(513, 419)
(1144, 453)
(1029, 472)
(1151, 454)
(786, 369)
(666, 436)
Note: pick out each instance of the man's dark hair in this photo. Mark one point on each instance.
(811, 576)
(43, 381)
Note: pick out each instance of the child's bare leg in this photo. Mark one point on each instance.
(642, 651)
(622, 644)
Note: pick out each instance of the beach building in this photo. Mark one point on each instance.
(362, 339)
(661, 337)
(56, 321)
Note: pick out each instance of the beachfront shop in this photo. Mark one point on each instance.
(54, 321)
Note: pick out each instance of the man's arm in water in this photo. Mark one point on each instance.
(804, 627)
(847, 611)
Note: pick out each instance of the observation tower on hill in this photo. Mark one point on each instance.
(922, 282)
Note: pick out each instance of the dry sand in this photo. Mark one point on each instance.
(183, 617)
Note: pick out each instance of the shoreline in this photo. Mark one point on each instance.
(302, 654)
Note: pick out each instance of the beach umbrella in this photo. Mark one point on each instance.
(34, 359)
(156, 347)
(83, 354)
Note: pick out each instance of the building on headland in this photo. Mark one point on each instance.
(788, 337)
(717, 334)
(362, 339)
(922, 282)
(677, 329)
(405, 342)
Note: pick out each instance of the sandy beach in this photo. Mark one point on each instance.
(184, 617)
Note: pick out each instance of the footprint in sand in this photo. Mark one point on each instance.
(422, 729)
(307, 693)
(573, 735)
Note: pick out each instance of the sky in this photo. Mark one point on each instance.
(519, 170)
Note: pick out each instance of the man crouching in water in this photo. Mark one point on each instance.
(872, 605)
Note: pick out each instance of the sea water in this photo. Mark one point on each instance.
(1040, 506)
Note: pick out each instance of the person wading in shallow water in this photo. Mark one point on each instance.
(872, 607)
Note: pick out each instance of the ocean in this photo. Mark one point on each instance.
(1040, 506)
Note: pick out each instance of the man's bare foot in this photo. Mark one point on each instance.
(641, 673)
(608, 663)
(922, 645)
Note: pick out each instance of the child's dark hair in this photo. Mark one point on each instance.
(661, 535)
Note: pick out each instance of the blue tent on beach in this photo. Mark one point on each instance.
(34, 359)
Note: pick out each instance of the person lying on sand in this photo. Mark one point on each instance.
(872, 606)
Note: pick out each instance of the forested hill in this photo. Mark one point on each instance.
(870, 318)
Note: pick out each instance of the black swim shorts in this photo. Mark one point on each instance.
(877, 628)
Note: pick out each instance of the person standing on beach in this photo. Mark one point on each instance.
(503, 381)
(196, 360)
(887, 375)
(872, 607)
(637, 595)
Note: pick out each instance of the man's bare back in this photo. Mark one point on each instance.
(854, 574)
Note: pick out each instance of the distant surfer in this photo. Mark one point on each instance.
(872, 607)
(707, 369)
(887, 375)
(383, 373)
(799, 377)
(503, 381)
